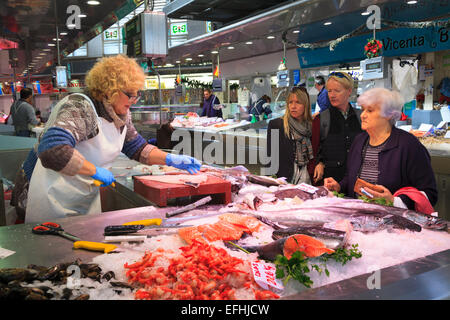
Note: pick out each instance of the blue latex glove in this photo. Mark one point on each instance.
(104, 176)
(183, 162)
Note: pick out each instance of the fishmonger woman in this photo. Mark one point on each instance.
(83, 136)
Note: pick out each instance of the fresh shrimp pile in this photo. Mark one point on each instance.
(201, 272)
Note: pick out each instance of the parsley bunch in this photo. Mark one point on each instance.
(381, 201)
(297, 266)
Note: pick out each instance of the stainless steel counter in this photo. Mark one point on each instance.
(425, 278)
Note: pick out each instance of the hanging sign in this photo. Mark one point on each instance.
(178, 28)
(395, 42)
(111, 34)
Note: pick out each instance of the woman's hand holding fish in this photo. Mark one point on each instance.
(386, 194)
(332, 184)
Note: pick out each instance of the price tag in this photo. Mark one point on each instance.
(425, 127)
(307, 188)
(265, 277)
(5, 253)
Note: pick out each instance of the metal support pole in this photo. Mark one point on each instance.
(57, 34)
(159, 89)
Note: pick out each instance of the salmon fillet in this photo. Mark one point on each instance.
(188, 234)
(248, 224)
(310, 246)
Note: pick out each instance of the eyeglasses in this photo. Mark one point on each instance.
(339, 75)
(132, 98)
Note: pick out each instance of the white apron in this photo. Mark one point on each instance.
(54, 195)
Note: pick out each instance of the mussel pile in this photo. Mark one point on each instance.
(24, 283)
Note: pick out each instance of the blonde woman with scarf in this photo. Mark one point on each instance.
(295, 131)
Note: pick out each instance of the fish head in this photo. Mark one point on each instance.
(370, 222)
(436, 223)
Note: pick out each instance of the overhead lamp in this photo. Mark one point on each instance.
(411, 2)
(47, 49)
(63, 34)
(188, 59)
(54, 39)
(249, 42)
(365, 13)
(270, 37)
(82, 15)
(214, 52)
(296, 31)
(230, 47)
(201, 55)
(71, 26)
(178, 61)
(93, 3)
(327, 23)
(51, 44)
(42, 54)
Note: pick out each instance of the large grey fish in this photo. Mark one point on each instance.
(360, 221)
(332, 239)
(424, 220)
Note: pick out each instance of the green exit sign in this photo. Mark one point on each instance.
(178, 28)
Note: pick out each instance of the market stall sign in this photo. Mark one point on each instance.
(396, 42)
(178, 28)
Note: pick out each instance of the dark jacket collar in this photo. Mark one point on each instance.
(391, 143)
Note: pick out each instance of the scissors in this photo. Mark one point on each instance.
(54, 229)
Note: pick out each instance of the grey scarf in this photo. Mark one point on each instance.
(301, 133)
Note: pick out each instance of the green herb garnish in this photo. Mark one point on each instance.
(297, 266)
(381, 201)
(339, 195)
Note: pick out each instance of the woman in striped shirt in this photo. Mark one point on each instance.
(388, 157)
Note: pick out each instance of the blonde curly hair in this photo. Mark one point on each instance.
(113, 74)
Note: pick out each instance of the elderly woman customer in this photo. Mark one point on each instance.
(294, 138)
(392, 159)
(83, 136)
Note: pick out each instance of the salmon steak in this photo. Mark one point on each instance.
(310, 246)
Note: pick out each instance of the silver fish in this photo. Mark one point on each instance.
(363, 222)
(424, 220)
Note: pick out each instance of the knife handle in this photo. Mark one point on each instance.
(147, 222)
(94, 246)
(98, 183)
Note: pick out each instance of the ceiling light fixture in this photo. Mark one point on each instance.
(365, 13)
(230, 47)
(63, 34)
(249, 42)
(82, 16)
(93, 3)
(327, 23)
(296, 31)
(201, 55)
(411, 2)
(177, 61)
(188, 59)
(71, 26)
(51, 44)
(270, 37)
(214, 52)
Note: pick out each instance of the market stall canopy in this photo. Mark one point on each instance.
(301, 22)
(32, 24)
